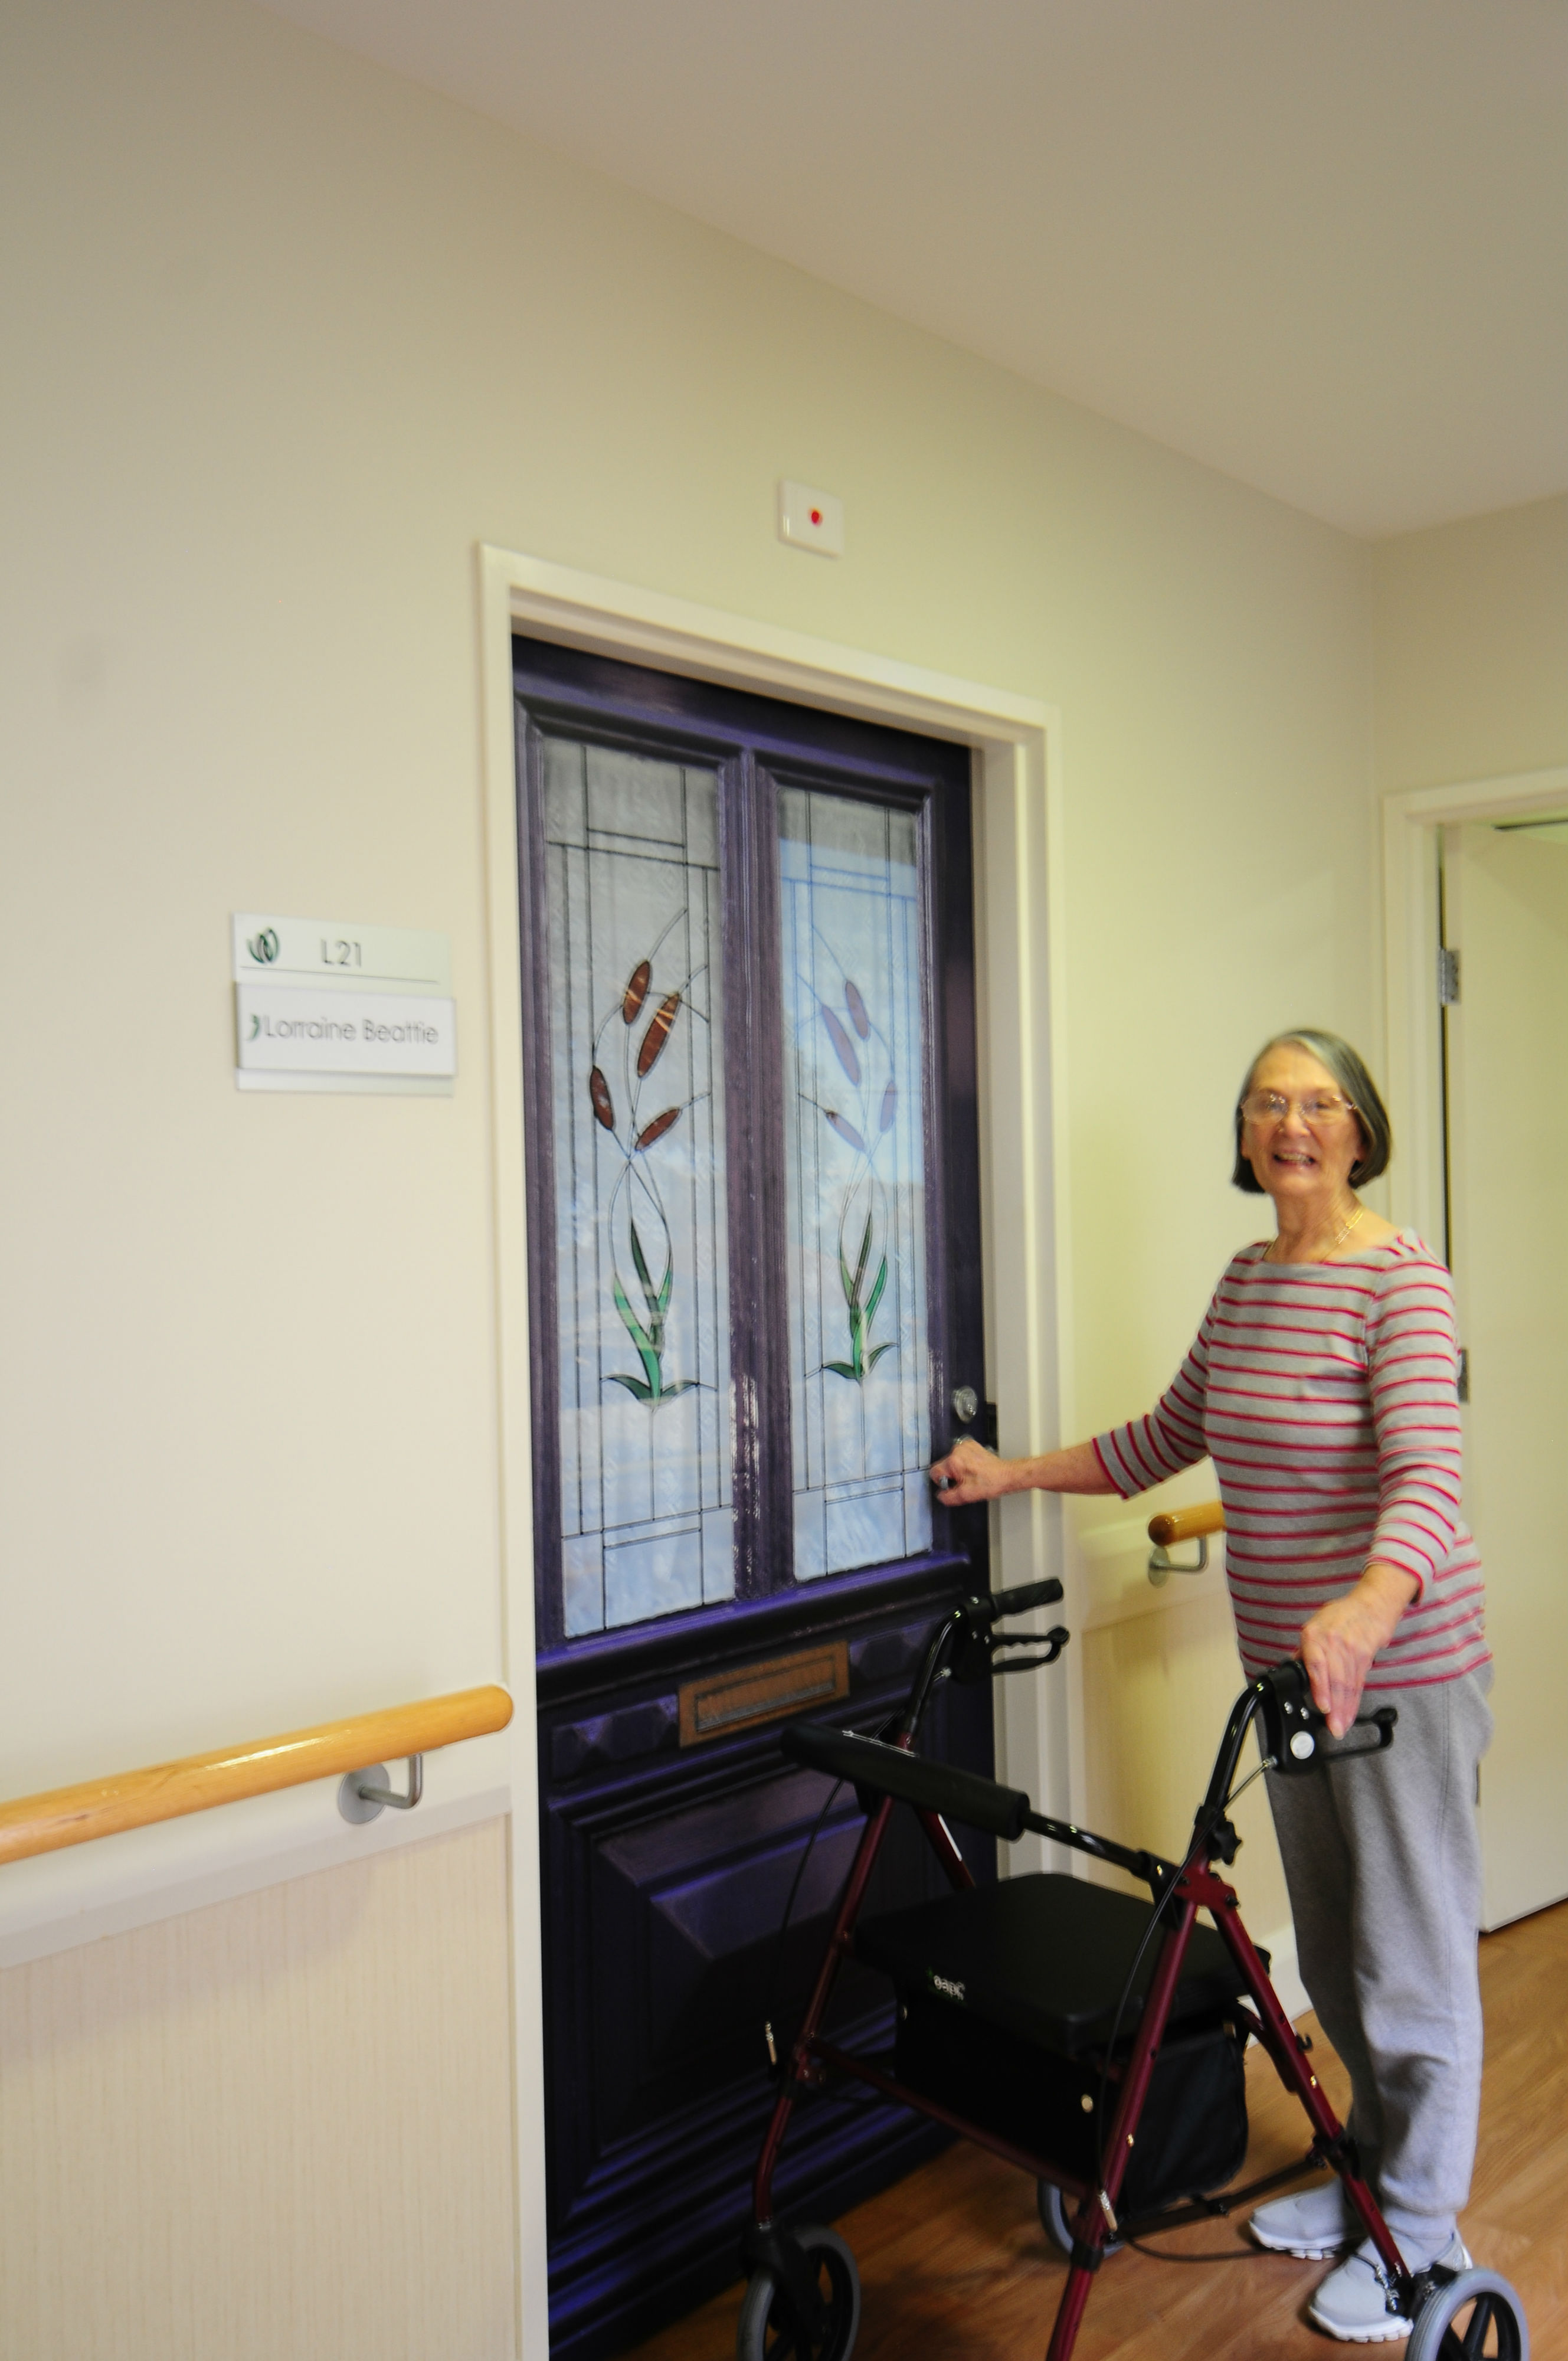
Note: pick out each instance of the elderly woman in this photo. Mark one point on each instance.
(1323, 1386)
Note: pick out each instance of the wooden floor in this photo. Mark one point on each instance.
(953, 2261)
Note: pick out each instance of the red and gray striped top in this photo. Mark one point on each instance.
(1326, 1395)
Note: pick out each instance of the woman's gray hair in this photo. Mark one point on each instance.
(1356, 1084)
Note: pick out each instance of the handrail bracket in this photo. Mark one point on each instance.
(363, 1795)
(1162, 1566)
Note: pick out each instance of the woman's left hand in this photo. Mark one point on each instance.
(1339, 1643)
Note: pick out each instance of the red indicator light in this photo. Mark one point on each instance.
(816, 516)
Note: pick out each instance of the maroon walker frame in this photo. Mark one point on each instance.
(965, 1646)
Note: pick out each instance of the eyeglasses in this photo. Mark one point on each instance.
(1321, 1110)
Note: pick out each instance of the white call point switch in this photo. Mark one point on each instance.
(811, 520)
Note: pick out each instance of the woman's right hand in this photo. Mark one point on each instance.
(971, 1473)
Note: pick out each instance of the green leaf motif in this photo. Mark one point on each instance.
(861, 1362)
(638, 1334)
(651, 1395)
(860, 1265)
(650, 1388)
(640, 1259)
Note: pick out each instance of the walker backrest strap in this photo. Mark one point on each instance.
(961, 1796)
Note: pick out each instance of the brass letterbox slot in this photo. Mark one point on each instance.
(718, 1704)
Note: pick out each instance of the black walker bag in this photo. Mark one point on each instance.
(1006, 1997)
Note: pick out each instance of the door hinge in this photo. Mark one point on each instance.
(1464, 1373)
(1447, 977)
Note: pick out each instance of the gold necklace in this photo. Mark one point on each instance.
(1334, 1244)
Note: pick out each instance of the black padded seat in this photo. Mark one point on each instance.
(1044, 1957)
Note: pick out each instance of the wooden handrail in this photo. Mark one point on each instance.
(164, 1791)
(1187, 1524)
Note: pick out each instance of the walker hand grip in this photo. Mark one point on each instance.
(998, 1603)
(930, 1787)
(1340, 1749)
(1296, 1734)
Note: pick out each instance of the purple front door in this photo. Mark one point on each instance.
(753, 1223)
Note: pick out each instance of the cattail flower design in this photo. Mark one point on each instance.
(846, 1131)
(658, 1127)
(635, 1216)
(842, 1044)
(863, 1267)
(636, 992)
(658, 1033)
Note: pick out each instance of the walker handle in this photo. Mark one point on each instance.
(1017, 1601)
(1336, 1750)
(1295, 1734)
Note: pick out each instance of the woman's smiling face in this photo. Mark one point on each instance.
(1295, 1160)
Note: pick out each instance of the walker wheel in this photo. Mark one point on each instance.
(1476, 2314)
(768, 2329)
(1055, 2223)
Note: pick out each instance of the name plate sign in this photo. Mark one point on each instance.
(326, 950)
(321, 1006)
(344, 1032)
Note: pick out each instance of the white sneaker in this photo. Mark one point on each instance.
(1313, 2224)
(1353, 2302)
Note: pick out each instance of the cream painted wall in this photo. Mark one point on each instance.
(287, 338)
(1471, 640)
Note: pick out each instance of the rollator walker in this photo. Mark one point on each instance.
(1095, 2044)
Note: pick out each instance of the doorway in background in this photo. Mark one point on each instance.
(1505, 920)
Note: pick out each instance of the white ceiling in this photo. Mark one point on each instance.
(1321, 244)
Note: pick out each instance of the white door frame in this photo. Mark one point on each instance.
(1019, 969)
(1411, 821)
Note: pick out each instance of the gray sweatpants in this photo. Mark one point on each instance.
(1382, 1861)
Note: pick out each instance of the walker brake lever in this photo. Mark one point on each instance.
(1052, 1642)
(982, 1651)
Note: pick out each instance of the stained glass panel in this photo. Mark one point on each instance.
(635, 923)
(860, 1361)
